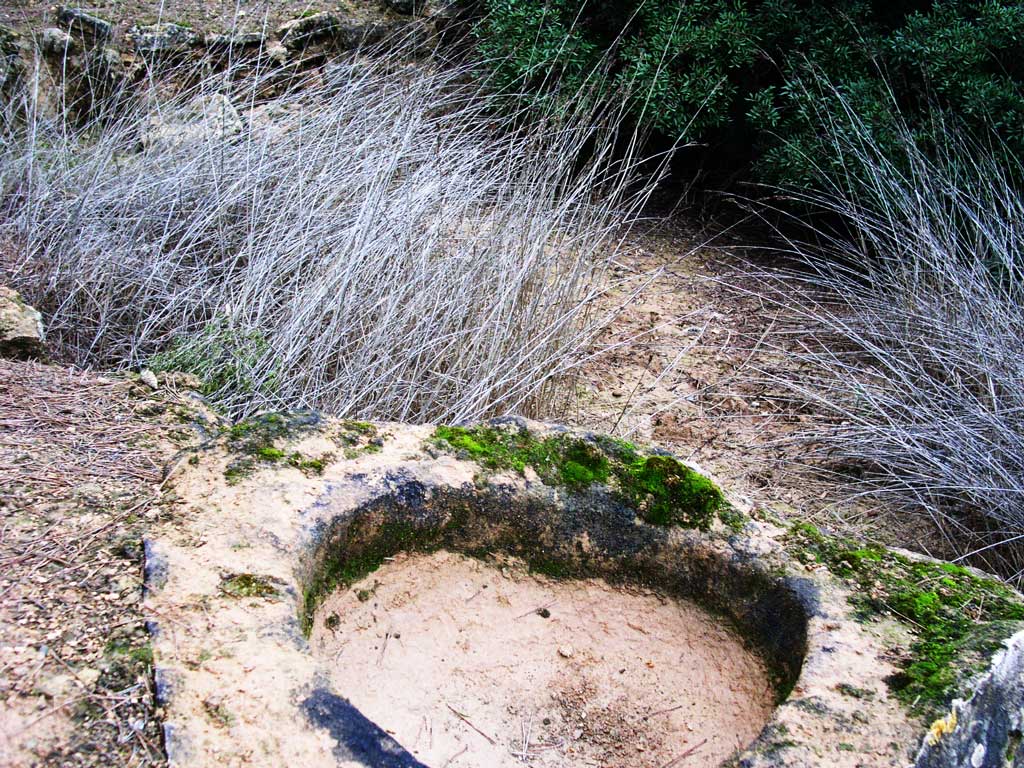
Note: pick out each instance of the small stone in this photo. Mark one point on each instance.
(21, 327)
(566, 651)
(978, 756)
(278, 54)
(56, 686)
(148, 378)
(56, 42)
(87, 23)
(88, 676)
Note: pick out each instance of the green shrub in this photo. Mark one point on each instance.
(225, 358)
(740, 75)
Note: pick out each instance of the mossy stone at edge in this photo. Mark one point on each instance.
(958, 618)
(662, 489)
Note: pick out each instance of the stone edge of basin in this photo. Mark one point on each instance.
(279, 517)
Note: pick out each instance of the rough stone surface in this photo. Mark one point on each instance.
(86, 24)
(156, 40)
(239, 680)
(277, 54)
(57, 42)
(12, 64)
(309, 29)
(21, 327)
(985, 730)
(240, 42)
(207, 118)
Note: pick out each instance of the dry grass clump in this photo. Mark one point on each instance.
(377, 243)
(911, 335)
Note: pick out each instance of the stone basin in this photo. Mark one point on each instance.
(338, 593)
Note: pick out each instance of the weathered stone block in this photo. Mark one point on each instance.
(21, 327)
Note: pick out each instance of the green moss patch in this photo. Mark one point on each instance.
(356, 438)
(667, 492)
(248, 585)
(558, 460)
(958, 619)
(663, 490)
(253, 442)
(365, 552)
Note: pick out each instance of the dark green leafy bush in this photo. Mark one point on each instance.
(740, 76)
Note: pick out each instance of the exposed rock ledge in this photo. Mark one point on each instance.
(285, 509)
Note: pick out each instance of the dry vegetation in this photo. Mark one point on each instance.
(906, 336)
(377, 244)
(374, 244)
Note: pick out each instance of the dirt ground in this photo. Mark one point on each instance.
(470, 664)
(216, 16)
(680, 368)
(81, 462)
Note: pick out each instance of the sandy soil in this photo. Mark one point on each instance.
(682, 366)
(472, 664)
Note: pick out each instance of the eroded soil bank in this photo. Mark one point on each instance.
(468, 663)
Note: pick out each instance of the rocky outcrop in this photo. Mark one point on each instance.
(84, 63)
(86, 25)
(985, 731)
(87, 65)
(207, 118)
(165, 40)
(21, 327)
(308, 506)
(329, 30)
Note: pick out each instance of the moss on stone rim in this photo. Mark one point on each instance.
(254, 443)
(365, 552)
(662, 489)
(958, 619)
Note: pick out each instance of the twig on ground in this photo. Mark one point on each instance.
(467, 721)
